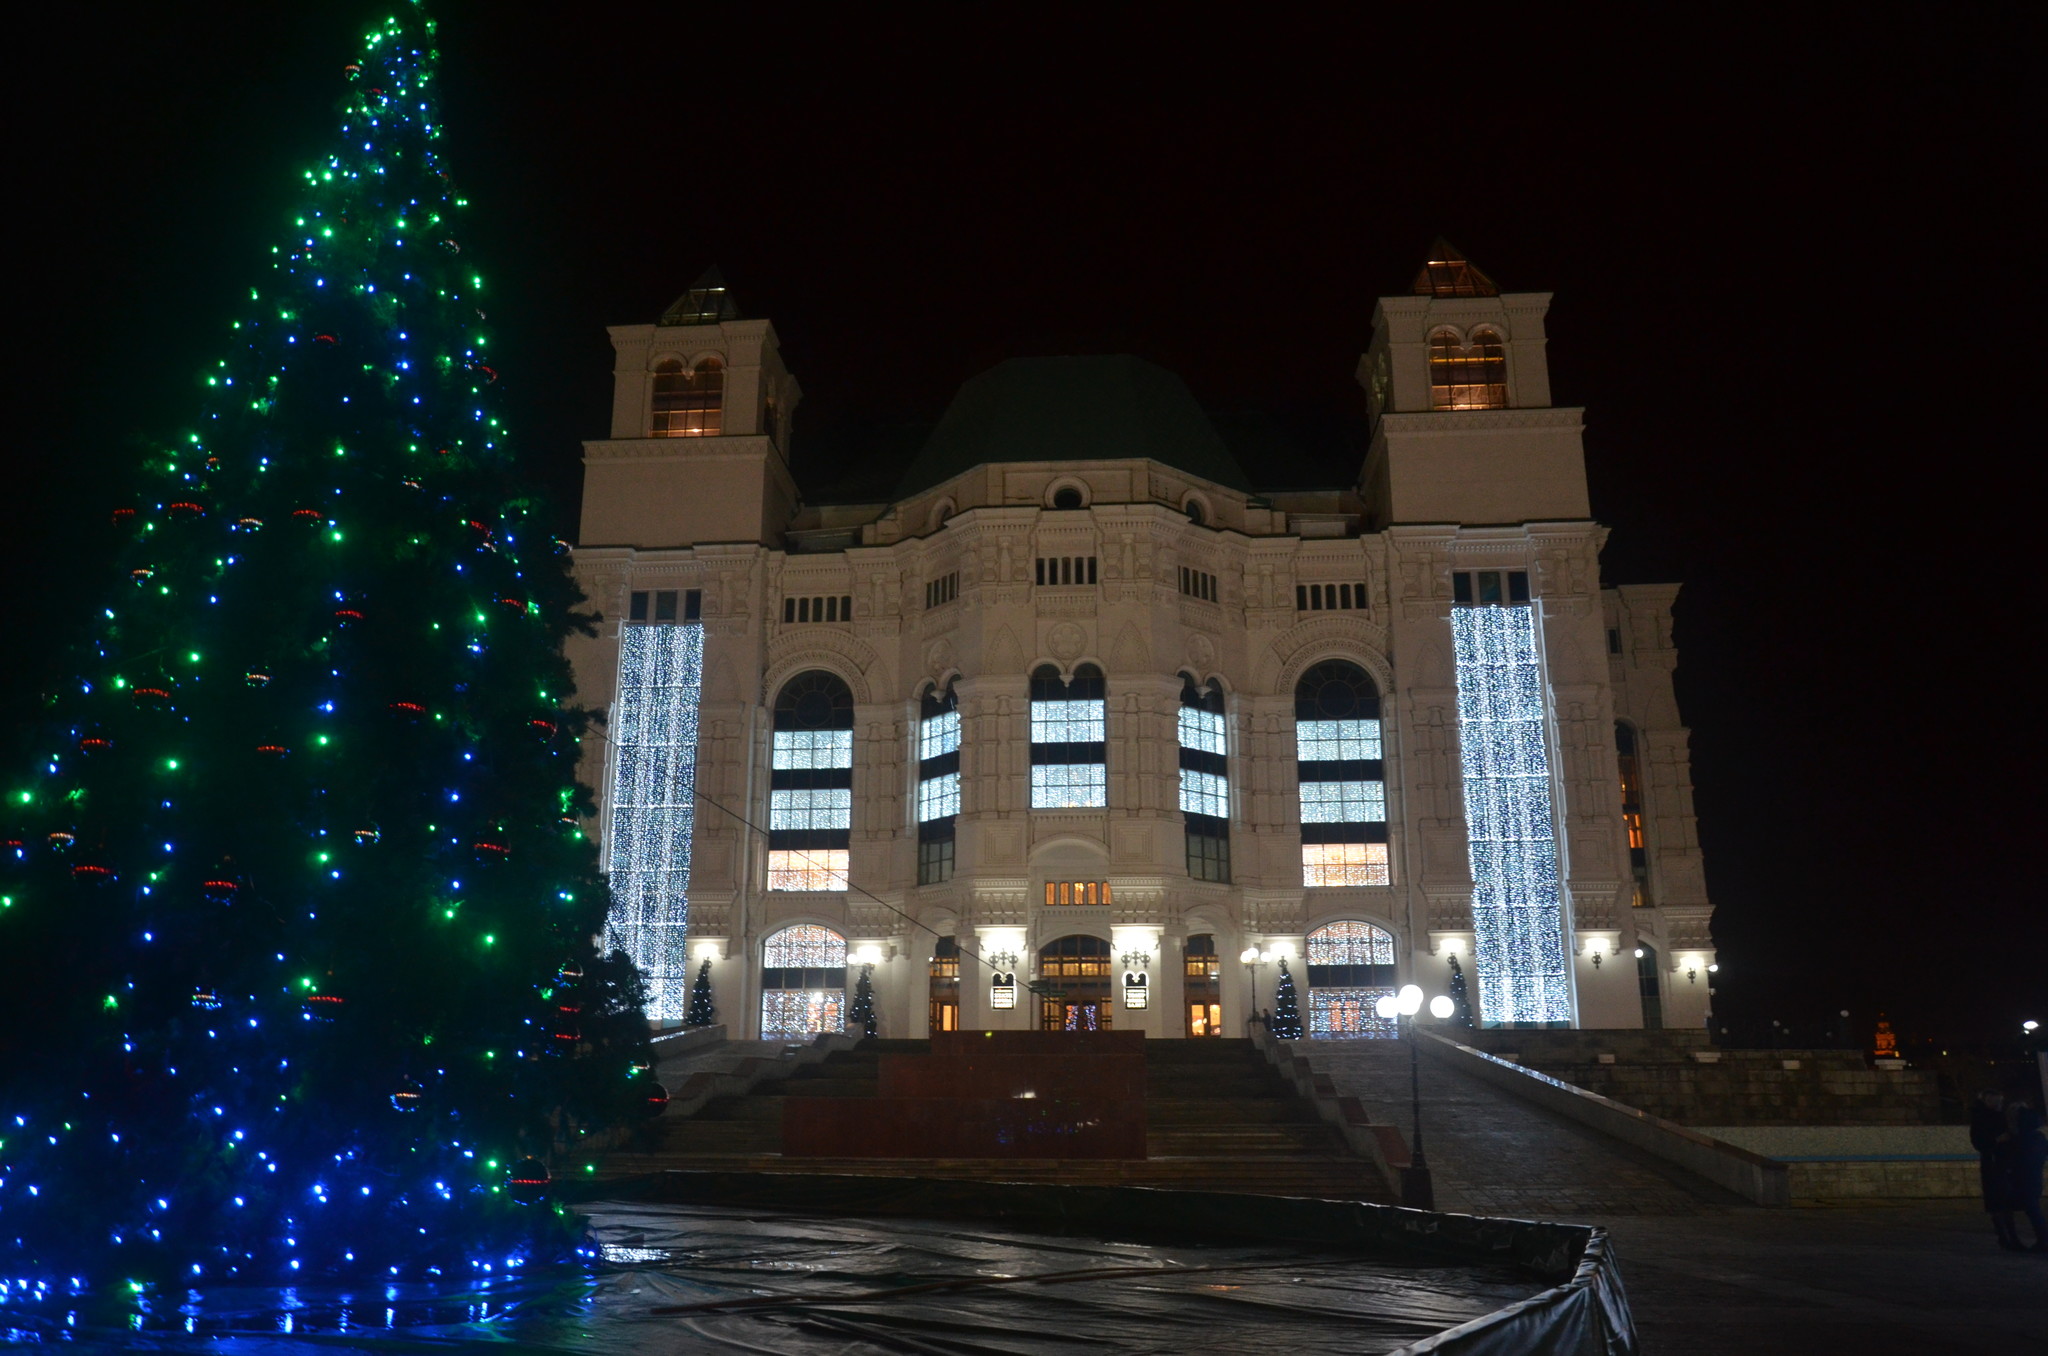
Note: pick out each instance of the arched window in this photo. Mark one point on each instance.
(1069, 746)
(1342, 778)
(689, 403)
(1204, 781)
(938, 785)
(1350, 968)
(1632, 809)
(1068, 497)
(1203, 985)
(803, 983)
(1470, 376)
(810, 796)
(1075, 995)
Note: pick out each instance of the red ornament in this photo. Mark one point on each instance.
(543, 730)
(656, 1100)
(323, 338)
(411, 709)
(310, 517)
(152, 698)
(93, 873)
(487, 851)
(142, 574)
(275, 751)
(185, 510)
(513, 604)
(256, 678)
(95, 744)
(122, 515)
(220, 889)
(346, 615)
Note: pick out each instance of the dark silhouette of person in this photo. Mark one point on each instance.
(2029, 1156)
(1991, 1136)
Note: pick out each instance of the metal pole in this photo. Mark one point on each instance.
(1417, 1191)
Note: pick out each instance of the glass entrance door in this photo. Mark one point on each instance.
(1074, 973)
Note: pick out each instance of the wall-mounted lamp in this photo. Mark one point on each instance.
(868, 954)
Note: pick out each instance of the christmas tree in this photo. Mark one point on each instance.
(299, 878)
(701, 1012)
(1463, 1015)
(863, 1014)
(1286, 1023)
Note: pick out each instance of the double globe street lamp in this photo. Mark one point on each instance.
(1416, 1189)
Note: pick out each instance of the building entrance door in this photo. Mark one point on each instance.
(1074, 978)
(1203, 986)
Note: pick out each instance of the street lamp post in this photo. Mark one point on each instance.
(1250, 957)
(1417, 1190)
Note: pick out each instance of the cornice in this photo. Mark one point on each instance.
(1570, 419)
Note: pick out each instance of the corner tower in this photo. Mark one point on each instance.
(1463, 427)
(699, 448)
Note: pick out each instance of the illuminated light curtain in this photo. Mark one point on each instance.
(1069, 746)
(1350, 968)
(1204, 781)
(803, 983)
(1517, 906)
(938, 785)
(810, 795)
(1342, 777)
(652, 805)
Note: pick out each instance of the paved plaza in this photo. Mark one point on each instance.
(1707, 1272)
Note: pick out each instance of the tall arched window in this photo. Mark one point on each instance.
(1632, 809)
(1074, 993)
(1350, 968)
(689, 403)
(1470, 376)
(938, 785)
(1204, 781)
(810, 796)
(1202, 983)
(1342, 778)
(1069, 745)
(803, 983)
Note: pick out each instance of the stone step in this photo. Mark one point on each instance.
(1307, 1175)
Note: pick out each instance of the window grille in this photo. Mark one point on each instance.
(1054, 571)
(660, 605)
(826, 609)
(1330, 598)
(1198, 584)
(944, 589)
(1489, 588)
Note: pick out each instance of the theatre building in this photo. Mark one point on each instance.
(1088, 728)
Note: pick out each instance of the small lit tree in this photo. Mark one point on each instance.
(702, 1012)
(1463, 1015)
(1286, 1023)
(863, 1014)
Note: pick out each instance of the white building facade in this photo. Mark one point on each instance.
(1080, 730)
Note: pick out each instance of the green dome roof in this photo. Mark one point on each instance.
(1073, 409)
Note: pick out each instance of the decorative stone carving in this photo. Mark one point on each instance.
(1065, 640)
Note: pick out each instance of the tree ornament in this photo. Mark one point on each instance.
(408, 1096)
(205, 998)
(92, 744)
(150, 697)
(368, 836)
(142, 574)
(653, 1097)
(61, 840)
(185, 511)
(248, 525)
(123, 516)
(543, 730)
(94, 873)
(221, 889)
(570, 972)
(257, 677)
(276, 753)
(309, 517)
(529, 1181)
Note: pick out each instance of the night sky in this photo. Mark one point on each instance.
(1796, 256)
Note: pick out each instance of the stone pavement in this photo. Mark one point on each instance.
(1707, 1272)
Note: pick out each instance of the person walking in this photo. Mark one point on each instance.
(1991, 1136)
(2029, 1156)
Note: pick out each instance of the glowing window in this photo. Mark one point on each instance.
(1350, 968)
(808, 868)
(803, 983)
(1340, 775)
(938, 785)
(804, 946)
(1068, 749)
(1204, 793)
(1471, 376)
(1349, 1014)
(1632, 810)
(1350, 943)
(810, 795)
(688, 403)
(1328, 864)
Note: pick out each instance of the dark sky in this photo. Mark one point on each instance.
(1796, 253)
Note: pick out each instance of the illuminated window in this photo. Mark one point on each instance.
(1632, 810)
(1078, 971)
(944, 991)
(803, 983)
(1066, 894)
(1350, 968)
(1341, 775)
(810, 796)
(689, 403)
(1204, 781)
(1489, 588)
(1203, 985)
(1069, 750)
(1471, 376)
(938, 785)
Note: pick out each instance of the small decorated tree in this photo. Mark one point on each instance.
(1286, 1023)
(863, 1014)
(1463, 1016)
(702, 1012)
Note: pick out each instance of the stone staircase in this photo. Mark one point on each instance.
(1682, 1077)
(1218, 1118)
